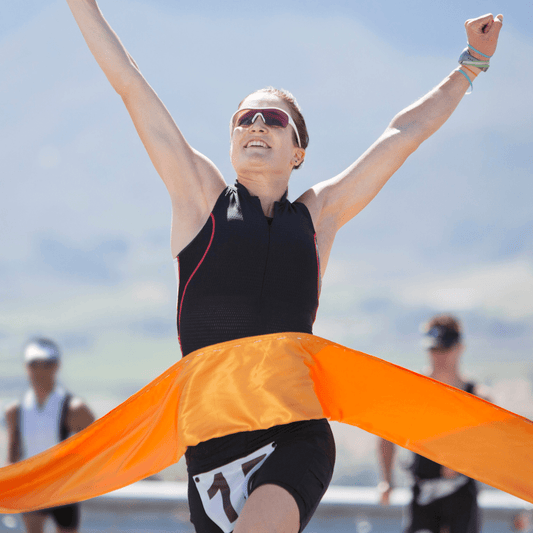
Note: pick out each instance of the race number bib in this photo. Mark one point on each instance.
(434, 489)
(224, 490)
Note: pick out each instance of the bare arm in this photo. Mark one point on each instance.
(334, 202)
(13, 434)
(79, 416)
(192, 180)
(386, 455)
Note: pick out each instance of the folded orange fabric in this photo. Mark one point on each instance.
(257, 382)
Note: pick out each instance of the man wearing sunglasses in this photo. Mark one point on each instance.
(46, 415)
(250, 262)
(443, 500)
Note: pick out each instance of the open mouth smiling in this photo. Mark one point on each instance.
(257, 144)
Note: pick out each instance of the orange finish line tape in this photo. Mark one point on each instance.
(258, 382)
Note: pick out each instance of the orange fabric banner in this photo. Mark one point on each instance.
(258, 382)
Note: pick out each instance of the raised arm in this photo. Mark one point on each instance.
(192, 180)
(334, 202)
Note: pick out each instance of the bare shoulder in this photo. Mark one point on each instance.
(77, 405)
(483, 391)
(317, 199)
(11, 413)
(79, 415)
(189, 217)
(311, 200)
(324, 221)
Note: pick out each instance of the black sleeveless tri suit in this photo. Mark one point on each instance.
(457, 510)
(245, 275)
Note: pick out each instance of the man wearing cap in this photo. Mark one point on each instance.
(443, 500)
(46, 415)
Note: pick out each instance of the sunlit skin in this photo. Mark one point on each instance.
(265, 172)
(42, 377)
(445, 365)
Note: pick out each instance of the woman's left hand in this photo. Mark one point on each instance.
(482, 33)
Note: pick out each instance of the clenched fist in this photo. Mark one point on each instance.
(482, 33)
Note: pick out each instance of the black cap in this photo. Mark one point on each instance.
(440, 337)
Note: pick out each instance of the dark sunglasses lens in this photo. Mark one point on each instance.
(246, 119)
(41, 364)
(272, 117)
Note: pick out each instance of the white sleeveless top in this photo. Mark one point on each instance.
(39, 425)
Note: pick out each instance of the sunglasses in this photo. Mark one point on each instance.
(40, 363)
(271, 116)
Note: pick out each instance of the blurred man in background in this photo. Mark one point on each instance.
(46, 415)
(443, 500)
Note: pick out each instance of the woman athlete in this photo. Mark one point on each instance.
(248, 259)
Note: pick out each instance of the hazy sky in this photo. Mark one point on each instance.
(84, 219)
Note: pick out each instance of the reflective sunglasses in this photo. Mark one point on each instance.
(271, 116)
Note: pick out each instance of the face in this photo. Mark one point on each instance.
(447, 356)
(42, 374)
(259, 147)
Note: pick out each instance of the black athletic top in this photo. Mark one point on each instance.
(424, 468)
(245, 275)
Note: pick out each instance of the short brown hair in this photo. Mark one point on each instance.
(296, 114)
(448, 321)
(441, 332)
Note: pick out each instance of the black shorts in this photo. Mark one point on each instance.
(65, 516)
(458, 511)
(301, 461)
